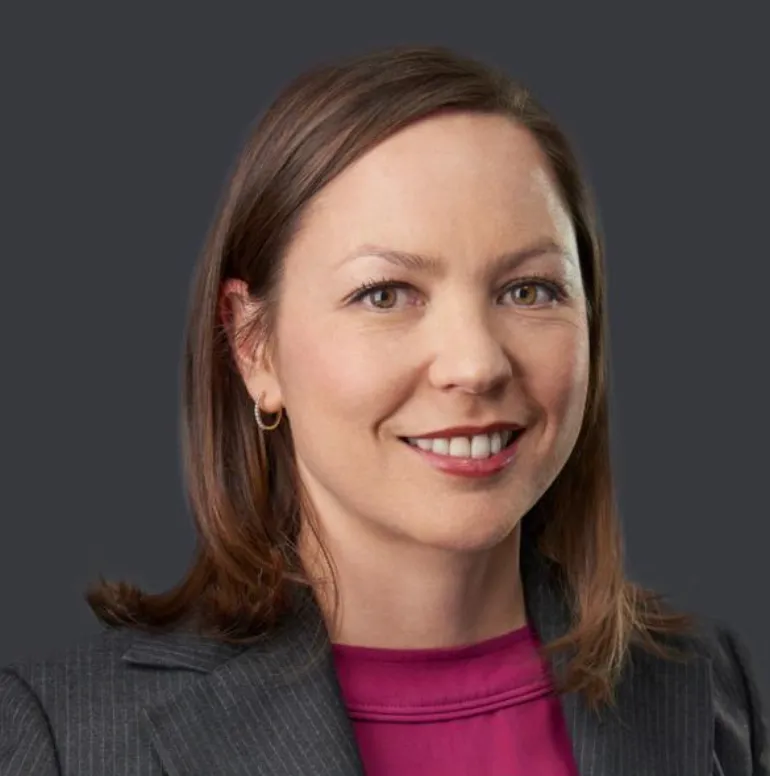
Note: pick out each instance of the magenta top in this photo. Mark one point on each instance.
(487, 709)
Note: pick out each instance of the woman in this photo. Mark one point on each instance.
(396, 448)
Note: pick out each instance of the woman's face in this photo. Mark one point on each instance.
(449, 218)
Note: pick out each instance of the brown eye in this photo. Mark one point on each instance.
(383, 298)
(525, 293)
(529, 295)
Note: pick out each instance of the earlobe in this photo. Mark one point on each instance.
(263, 425)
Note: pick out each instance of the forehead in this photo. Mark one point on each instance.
(440, 184)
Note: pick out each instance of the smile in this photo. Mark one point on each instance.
(478, 446)
(480, 455)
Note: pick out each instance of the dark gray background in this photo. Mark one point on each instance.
(118, 127)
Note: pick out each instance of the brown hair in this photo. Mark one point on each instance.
(242, 485)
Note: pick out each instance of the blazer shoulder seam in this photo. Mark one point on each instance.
(34, 698)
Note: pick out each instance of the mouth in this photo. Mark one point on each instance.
(476, 447)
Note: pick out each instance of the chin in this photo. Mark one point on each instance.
(458, 533)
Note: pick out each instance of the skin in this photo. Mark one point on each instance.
(424, 558)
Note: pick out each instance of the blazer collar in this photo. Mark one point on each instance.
(276, 708)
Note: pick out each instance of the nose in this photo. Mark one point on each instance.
(469, 355)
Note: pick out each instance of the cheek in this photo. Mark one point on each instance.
(336, 371)
(559, 373)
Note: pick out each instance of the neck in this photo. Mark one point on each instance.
(401, 596)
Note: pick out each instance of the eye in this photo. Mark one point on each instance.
(381, 295)
(530, 287)
(383, 298)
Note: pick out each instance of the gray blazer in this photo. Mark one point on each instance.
(178, 704)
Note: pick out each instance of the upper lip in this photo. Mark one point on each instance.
(469, 431)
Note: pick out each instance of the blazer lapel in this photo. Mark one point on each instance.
(271, 709)
(663, 721)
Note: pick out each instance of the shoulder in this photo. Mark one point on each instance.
(98, 685)
(34, 694)
(740, 719)
(741, 739)
(76, 674)
(82, 657)
(116, 661)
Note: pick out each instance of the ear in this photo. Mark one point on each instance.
(237, 308)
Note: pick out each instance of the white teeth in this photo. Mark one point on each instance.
(440, 446)
(479, 446)
(459, 447)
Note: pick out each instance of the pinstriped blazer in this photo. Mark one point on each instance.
(127, 703)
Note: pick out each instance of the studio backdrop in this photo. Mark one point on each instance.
(119, 127)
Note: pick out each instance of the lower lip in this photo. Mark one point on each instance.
(470, 467)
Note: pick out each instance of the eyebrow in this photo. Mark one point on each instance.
(432, 265)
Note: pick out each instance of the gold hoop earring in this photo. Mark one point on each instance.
(258, 416)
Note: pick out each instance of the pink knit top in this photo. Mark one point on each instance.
(487, 709)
